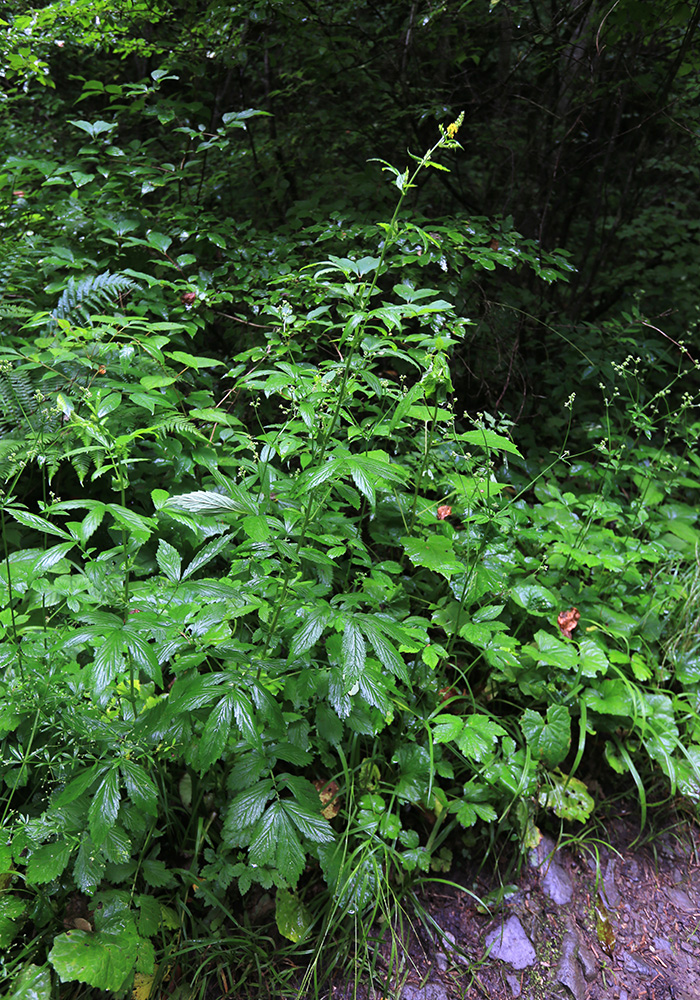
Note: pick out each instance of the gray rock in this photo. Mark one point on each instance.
(611, 894)
(568, 970)
(431, 991)
(510, 943)
(663, 944)
(557, 883)
(556, 880)
(514, 984)
(633, 964)
(681, 900)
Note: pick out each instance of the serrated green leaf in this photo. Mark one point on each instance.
(104, 807)
(263, 848)
(169, 561)
(311, 824)
(89, 866)
(51, 557)
(352, 655)
(478, 736)
(156, 874)
(446, 728)
(245, 810)
(217, 733)
(140, 527)
(434, 552)
(37, 523)
(290, 856)
(79, 785)
(47, 862)
(205, 555)
(140, 786)
(150, 917)
(108, 662)
(490, 441)
(313, 626)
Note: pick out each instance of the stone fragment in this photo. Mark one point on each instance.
(556, 880)
(431, 991)
(514, 984)
(682, 900)
(568, 970)
(611, 894)
(634, 964)
(510, 943)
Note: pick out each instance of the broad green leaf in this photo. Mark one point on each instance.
(490, 441)
(293, 918)
(612, 697)
(104, 959)
(534, 598)
(12, 908)
(47, 862)
(102, 814)
(549, 741)
(169, 561)
(434, 552)
(592, 657)
(555, 652)
(568, 798)
(33, 983)
(159, 240)
(256, 527)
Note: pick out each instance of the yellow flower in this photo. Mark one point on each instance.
(452, 130)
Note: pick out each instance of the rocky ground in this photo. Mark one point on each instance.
(598, 921)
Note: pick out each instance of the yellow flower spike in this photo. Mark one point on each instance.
(454, 127)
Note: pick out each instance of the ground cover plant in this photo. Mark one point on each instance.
(287, 627)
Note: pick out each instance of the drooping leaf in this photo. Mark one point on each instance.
(293, 918)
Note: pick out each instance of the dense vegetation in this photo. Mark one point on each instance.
(348, 440)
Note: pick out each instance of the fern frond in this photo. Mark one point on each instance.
(81, 298)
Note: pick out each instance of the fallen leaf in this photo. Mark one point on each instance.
(567, 621)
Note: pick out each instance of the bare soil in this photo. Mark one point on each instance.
(594, 921)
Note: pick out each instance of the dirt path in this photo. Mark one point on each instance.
(591, 923)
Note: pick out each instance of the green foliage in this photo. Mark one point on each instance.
(279, 610)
